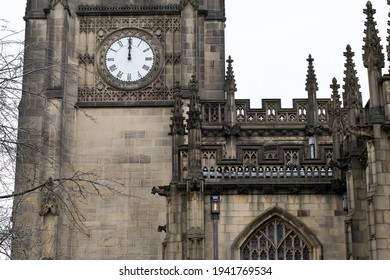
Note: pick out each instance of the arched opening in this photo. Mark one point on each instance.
(276, 235)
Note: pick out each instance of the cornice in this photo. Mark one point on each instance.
(132, 9)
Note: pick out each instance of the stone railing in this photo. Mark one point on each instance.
(266, 172)
(271, 112)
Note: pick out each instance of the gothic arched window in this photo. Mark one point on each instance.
(276, 240)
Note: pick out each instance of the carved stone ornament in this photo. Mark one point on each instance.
(339, 185)
(194, 3)
(195, 233)
(63, 2)
(231, 130)
(49, 203)
(128, 9)
(162, 190)
(162, 228)
(242, 189)
(194, 184)
(372, 56)
(269, 189)
(217, 189)
(86, 59)
(363, 132)
(363, 159)
(294, 189)
(122, 84)
(386, 126)
(321, 189)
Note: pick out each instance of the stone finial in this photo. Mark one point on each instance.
(352, 97)
(335, 108)
(230, 80)
(194, 120)
(372, 55)
(311, 79)
(177, 126)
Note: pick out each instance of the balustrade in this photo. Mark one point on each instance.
(266, 171)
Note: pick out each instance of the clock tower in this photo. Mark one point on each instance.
(105, 87)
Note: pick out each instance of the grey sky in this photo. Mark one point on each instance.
(273, 65)
(271, 40)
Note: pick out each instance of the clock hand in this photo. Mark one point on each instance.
(129, 55)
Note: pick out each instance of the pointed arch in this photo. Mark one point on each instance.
(275, 229)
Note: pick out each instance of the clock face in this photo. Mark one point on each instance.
(129, 59)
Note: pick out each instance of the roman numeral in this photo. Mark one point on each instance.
(119, 75)
(146, 50)
(110, 59)
(111, 49)
(148, 58)
(146, 67)
(120, 43)
(112, 68)
(129, 77)
(139, 74)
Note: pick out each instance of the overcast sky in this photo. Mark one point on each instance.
(270, 41)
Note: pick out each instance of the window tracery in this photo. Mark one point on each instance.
(276, 240)
(271, 112)
(291, 158)
(302, 112)
(241, 112)
(322, 112)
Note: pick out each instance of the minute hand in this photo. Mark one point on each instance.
(129, 54)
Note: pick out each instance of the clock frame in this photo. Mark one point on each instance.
(146, 71)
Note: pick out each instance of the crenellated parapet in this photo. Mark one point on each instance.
(270, 113)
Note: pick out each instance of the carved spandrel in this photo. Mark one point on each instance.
(102, 26)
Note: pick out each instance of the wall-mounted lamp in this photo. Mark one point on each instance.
(215, 210)
(215, 204)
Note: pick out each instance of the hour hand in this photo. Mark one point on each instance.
(129, 54)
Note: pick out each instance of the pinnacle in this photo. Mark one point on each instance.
(230, 80)
(372, 56)
(334, 86)
(311, 79)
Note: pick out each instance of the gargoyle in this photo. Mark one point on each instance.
(364, 132)
(162, 228)
(162, 190)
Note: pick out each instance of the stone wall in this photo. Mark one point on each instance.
(322, 215)
(131, 147)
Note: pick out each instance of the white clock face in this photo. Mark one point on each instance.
(129, 59)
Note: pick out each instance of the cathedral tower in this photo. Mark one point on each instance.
(132, 144)
(96, 111)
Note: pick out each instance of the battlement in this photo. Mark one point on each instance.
(270, 112)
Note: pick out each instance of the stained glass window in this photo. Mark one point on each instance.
(276, 240)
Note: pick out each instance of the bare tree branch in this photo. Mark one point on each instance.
(35, 148)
